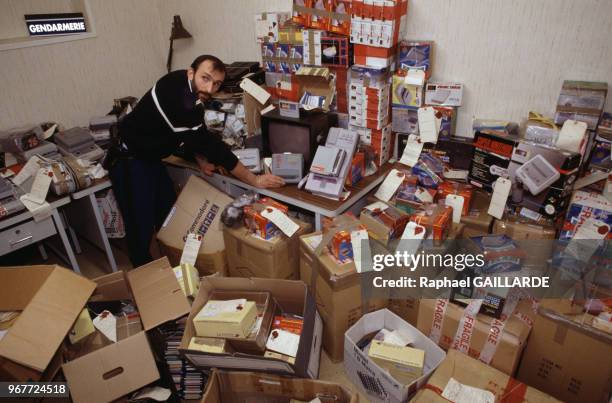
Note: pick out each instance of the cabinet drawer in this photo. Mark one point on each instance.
(27, 233)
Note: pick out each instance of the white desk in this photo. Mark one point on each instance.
(89, 195)
(21, 230)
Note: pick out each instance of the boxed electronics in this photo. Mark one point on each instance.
(406, 94)
(325, 50)
(379, 24)
(384, 222)
(381, 142)
(530, 237)
(226, 387)
(281, 58)
(250, 159)
(291, 297)
(337, 288)
(251, 256)
(491, 158)
(443, 94)
(374, 381)
(416, 55)
(373, 57)
(153, 289)
(282, 87)
(581, 100)
(461, 378)
(267, 26)
(317, 82)
(582, 206)
(197, 210)
(50, 299)
(440, 319)
(547, 175)
(540, 130)
(566, 356)
(79, 143)
(405, 120)
(17, 141)
(288, 166)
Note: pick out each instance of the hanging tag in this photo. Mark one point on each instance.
(106, 323)
(191, 249)
(40, 187)
(28, 170)
(459, 393)
(281, 220)
(49, 132)
(39, 211)
(388, 188)
(376, 206)
(428, 125)
(456, 202)
(357, 237)
(572, 135)
(415, 77)
(411, 238)
(501, 191)
(411, 153)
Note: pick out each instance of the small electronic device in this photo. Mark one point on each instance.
(328, 161)
(101, 126)
(20, 140)
(9, 198)
(78, 142)
(288, 166)
(250, 158)
(537, 174)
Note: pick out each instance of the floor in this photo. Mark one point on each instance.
(93, 263)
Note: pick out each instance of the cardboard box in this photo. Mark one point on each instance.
(384, 225)
(529, 237)
(445, 316)
(585, 205)
(404, 364)
(290, 297)
(197, 210)
(337, 289)
(207, 345)
(454, 188)
(236, 387)
(582, 97)
(371, 379)
(317, 81)
(416, 55)
(473, 373)
(250, 256)
(50, 299)
(491, 158)
(566, 357)
(477, 221)
(235, 324)
(116, 369)
(404, 120)
(444, 94)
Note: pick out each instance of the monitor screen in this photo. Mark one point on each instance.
(289, 138)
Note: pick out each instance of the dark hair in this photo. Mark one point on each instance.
(217, 64)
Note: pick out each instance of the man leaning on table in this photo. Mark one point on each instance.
(169, 116)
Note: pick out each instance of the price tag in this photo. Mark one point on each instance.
(106, 323)
(28, 170)
(429, 125)
(358, 253)
(281, 220)
(501, 191)
(572, 135)
(415, 77)
(587, 239)
(40, 187)
(411, 153)
(389, 186)
(411, 238)
(191, 249)
(456, 202)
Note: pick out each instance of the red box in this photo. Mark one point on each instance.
(461, 189)
(438, 221)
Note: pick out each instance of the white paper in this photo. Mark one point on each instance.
(572, 135)
(39, 211)
(389, 186)
(267, 109)
(7, 173)
(40, 187)
(358, 254)
(97, 171)
(377, 206)
(49, 132)
(156, 393)
(281, 220)
(191, 249)
(411, 238)
(429, 125)
(284, 342)
(415, 77)
(501, 190)
(455, 174)
(460, 393)
(214, 308)
(411, 153)
(28, 170)
(456, 202)
(106, 323)
(423, 195)
(255, 91)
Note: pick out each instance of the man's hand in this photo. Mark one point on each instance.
(269, 181)
(206, 167)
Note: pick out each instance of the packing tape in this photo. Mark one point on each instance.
(465, 330)
(437, 322)
(514, 391)
(497, 329)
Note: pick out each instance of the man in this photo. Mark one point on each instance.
(169, 116)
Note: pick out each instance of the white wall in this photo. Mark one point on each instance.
(512, 56)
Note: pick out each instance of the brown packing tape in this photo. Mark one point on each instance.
(311, 46)
(301, 9)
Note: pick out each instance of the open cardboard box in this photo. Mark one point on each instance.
(317, 81)
(290, 297)
(50, 299)
(238, 387)
(123, 367)
(374, 381)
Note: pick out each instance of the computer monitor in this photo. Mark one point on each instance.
(300, 136)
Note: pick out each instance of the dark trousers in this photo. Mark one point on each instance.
(145, 195)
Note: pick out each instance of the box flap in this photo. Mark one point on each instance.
(111, 287)
(47, 319)
(18, 285)
(111, 372)
(157, 293)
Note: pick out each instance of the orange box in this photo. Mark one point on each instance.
(438, 221)
(340, 21)
(288, 323)
(319, 15)
(301, 14)
(461, 189)
(258, 224)
(357, 170)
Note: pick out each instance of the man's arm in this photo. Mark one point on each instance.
(241, 172)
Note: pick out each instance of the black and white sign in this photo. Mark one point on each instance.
(55, 24)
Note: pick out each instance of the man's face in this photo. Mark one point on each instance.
(205, 81)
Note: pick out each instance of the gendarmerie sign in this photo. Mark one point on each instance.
(55, 24)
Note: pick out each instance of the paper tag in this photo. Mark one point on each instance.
(501, 191)
(389, 186)
(39, 211)
(411, 153)
(281, 220)
(456, 202)
(377, 206)
(106, 323)
(411, 238)
(429, 125)
(572, 135)
(255, 91)
(415, 77)
(214, 308)
(28, 170)
(423, 195)
(191, 249)
(455, 174)
(358, 253)
(458, 393)
(283, 342)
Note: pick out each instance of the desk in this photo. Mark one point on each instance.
(290, 194)
(26, 231)
(89, 194)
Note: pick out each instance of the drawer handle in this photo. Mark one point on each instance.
(21, 240)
